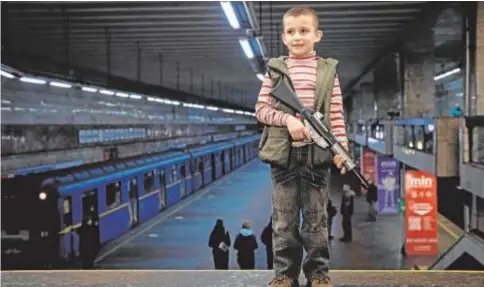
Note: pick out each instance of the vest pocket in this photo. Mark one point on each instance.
(274, 146)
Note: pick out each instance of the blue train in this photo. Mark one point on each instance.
(40, 212)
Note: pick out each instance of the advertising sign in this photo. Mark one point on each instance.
(421, 213)
(388, 184)
(367, 165)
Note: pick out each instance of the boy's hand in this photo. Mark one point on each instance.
(297, 130)
(339, 161)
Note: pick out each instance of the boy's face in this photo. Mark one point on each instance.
(300, 34)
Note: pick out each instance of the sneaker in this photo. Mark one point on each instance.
(283, 282)
(323, 282)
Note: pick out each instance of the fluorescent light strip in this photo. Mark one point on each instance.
(246, 47)
(106, 92)
(6, 75)
(446, 74)
(88, 89)
(32, 80)
(230, 14)
(122, 95)
(60, 85)
(243, 42)
(136, 97)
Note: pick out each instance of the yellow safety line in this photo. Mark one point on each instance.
(448, 230)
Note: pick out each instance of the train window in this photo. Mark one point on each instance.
(162, 178)
(149, 181)
(173, 173)
(113, 194)
(67, 211)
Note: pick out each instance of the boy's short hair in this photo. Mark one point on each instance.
(302, 10)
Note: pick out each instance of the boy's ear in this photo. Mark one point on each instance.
(319, 35)
(283, 37)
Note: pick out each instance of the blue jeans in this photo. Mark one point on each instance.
(300, 188)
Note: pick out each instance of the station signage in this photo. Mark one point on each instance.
(421, 213)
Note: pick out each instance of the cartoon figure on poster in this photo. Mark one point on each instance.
(388, 180)
(389, 184)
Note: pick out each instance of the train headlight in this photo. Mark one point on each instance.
(42, 196)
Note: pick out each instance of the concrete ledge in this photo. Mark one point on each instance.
(206, 278)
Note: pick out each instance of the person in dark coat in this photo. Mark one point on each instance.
(346, 210)
(331, 210)
(219, 241)
(246, 244)
(88, 241)
(372, 198)
(266, 238)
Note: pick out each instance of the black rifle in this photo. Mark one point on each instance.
(283, 90)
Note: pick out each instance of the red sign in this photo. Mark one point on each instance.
(421, 213)
(367, 165)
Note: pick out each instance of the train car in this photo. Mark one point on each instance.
(49, 207)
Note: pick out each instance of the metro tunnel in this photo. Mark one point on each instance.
(226, 143)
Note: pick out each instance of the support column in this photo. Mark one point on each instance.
(368, 101)
(419, 86)
(385, 85)
(480, 59)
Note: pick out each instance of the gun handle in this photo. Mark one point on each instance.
(349, 164)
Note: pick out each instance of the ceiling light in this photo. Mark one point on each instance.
(6, 75)
(246, 47)
(87, 89)
(32, 80)
(446, 74)
(60, 85)
(230, 14)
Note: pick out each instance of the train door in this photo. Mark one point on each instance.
(244, 148)
(201, 171)
(90, 204)
(133, 204)
(222, 159)
(183, 190)
(67, 221)
(214, 170)
(231, 158)
(89, 235)
(162, 190)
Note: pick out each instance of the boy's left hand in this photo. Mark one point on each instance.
(339, 161)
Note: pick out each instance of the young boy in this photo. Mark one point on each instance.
(299, 168)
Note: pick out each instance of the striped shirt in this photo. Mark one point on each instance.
(302, 71)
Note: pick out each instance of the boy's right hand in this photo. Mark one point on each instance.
(297, 129)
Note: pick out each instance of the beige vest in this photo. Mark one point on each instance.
(275, 142)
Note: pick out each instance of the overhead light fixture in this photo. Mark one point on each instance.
(122, 95)
(60, 85)
(106, 92)
(32, 80)
(88, 89)
(244, 43)
(446, 74)
(136, 97)
(230, 14)
(260, 76)
(6, 75)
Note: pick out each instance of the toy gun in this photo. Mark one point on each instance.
(282, 89)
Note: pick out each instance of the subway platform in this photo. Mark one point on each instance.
(178, 238)
(170, 278)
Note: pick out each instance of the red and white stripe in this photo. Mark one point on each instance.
(302, 71)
